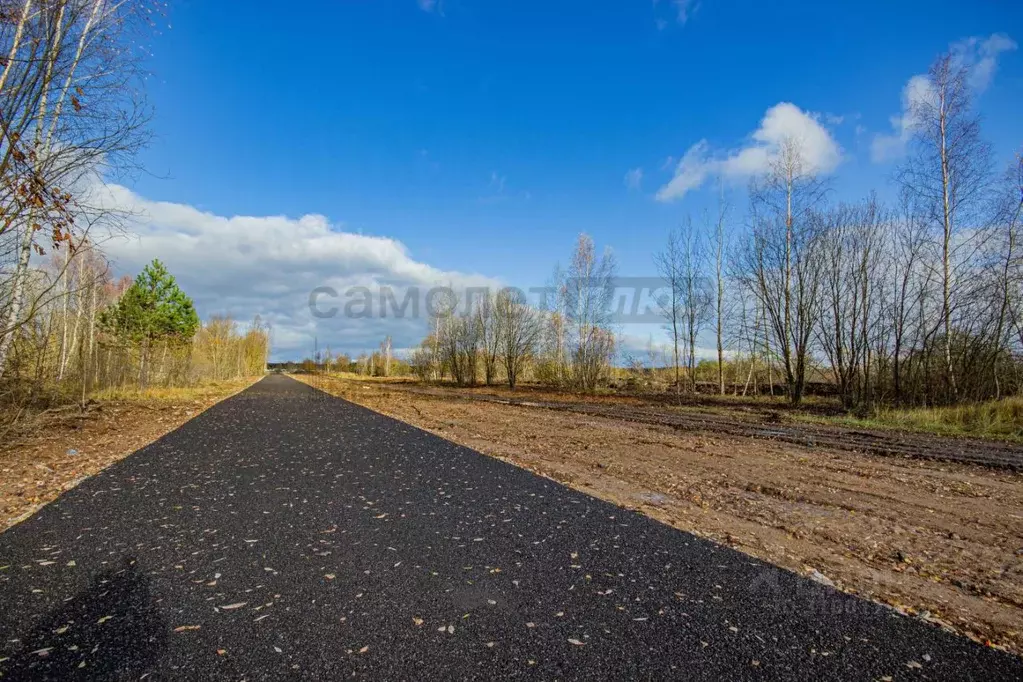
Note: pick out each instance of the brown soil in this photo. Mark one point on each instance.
(58, 449)
(943, 540)
(741, 418)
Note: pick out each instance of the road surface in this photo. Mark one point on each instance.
(288, 534)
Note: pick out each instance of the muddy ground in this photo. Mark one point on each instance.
(53, 452)
(939, 539)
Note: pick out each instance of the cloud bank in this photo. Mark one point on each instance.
(245, 266)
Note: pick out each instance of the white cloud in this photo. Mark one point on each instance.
(684, 9)
(496, 190)
(690, 173)
(916, 92)
(497, 181)
(634, 179)
(979, 56)
(782, 122)
(427, 5)
(269, 265)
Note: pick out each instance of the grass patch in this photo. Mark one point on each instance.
(997, 419)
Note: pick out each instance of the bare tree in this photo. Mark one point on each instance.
(697, 296)
(906, 257)
(588, 293)
(947, 171)
(1007, 221)
(720, 249)
(459, 340)
(423, 359)
(779, 261)
(385, 355)
(849, 243)
(491, 333)
(551, 366)
(669, 264)
(519, 332)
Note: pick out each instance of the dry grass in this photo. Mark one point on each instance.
(995, 419)
(173, 393)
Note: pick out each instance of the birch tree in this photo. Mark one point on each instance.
(70, 114)
(720, 248)
(779, 262)
(588, 292)
(669, 264)
(697, 296)
(1009, 212)
(947, 171)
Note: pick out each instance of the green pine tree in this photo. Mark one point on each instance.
(151, 311)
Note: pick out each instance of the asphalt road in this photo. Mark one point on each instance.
(287, 534)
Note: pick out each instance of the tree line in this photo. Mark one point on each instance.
(567, 340)
(917, 302)
(102, 333)
(379, 363)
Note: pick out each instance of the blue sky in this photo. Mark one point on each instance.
(485, 135)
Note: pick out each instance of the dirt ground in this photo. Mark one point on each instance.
(941, 540)
(760, 418)
(56, 450)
